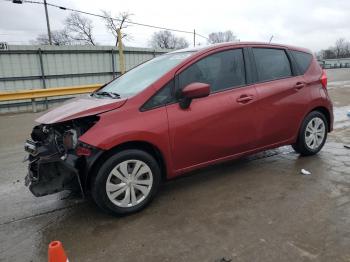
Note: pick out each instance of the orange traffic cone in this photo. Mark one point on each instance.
(56, 252)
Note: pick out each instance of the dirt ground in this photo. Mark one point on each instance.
(254, 209)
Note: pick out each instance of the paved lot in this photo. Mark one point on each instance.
(254, 209)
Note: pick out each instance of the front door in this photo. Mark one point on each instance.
(220, 125)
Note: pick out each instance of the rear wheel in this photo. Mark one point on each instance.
(126, 182)
(312, 134)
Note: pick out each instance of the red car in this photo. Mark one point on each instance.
(178, 112)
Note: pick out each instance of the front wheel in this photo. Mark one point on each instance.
(312, 134)
(126, 182)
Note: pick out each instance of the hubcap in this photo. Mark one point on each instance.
(129, 183)
(314, 133)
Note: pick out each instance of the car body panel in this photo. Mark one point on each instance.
(319, 97)
(80, 107)
(280, 106)
(118, 128)
(212, 127)
(205, 133)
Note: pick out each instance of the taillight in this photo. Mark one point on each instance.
(324, 79)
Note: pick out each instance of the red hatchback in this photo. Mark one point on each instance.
(177, 112)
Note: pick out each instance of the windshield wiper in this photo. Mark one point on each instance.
(105, 93)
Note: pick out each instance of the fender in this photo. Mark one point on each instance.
(115, 128)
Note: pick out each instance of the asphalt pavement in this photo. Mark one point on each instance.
(258, 208)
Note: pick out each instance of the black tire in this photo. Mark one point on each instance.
(301, 146)
(99, 191)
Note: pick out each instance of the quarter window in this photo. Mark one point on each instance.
(161, 98)
(271, 64)
(303, 60)
(221, 70)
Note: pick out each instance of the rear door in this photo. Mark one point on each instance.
(217, 126)
(283, 95)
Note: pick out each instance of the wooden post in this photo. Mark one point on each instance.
(121, 54)
(113, 65)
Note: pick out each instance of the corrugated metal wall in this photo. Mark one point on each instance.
(32, 67)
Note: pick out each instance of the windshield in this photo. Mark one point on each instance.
(142, 76)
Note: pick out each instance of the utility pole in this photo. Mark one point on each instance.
(47, 22)
(194, 37)
(46, 13)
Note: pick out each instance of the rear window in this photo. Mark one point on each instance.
(271, 64)
(303, 60)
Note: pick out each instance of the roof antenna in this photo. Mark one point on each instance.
(270, 39)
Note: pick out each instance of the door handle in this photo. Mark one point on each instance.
(243, 99)
(299, 85)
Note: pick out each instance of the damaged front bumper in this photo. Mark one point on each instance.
(51, 174)
(57, 159)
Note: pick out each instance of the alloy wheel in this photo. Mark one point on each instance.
(129, 183)
(315, 133)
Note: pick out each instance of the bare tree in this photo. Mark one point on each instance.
(167, 40)
(113, 25)
(220, 37)
(79, 29)
(59, 37)
(341, 49)
(347, 49)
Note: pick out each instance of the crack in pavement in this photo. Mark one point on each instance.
(41, 214)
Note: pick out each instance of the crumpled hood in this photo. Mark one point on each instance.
(80, 107)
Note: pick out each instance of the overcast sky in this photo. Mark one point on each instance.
(307, 23)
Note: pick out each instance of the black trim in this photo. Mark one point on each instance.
(171, 100)
(247, 66)
(176, 90)
(293, 63)
(252, 64)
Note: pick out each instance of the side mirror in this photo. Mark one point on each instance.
(192, 91)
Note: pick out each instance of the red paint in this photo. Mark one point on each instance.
(222, 126)
(205, 131)
(196, 90)
(80, 107)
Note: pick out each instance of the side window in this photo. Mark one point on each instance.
(303, 60)
(271, 64)
(221, 70)
(161, 98)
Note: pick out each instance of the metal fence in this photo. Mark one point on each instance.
(335, 63)
(33, 67)
(330, 66)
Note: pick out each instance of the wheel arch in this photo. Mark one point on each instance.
(326, 113)
(321, 109)
(141, 145)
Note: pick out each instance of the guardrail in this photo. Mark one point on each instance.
(33, 94)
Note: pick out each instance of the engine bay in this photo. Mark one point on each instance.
(55, 163)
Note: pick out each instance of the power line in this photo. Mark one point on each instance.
(115, 19)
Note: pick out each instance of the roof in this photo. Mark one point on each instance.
(228, 44)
